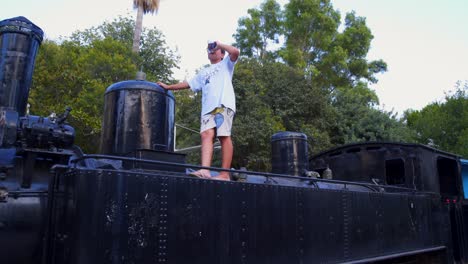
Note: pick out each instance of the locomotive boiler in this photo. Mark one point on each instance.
(134, 203)
(29, 146)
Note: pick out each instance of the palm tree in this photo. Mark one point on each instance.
(144, 7)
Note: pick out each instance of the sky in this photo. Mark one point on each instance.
(423, 42)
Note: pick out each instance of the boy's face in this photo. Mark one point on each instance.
(215, 56)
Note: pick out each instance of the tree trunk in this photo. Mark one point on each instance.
(138, 28)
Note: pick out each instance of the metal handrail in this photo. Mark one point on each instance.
(267, 175)
(217, 144)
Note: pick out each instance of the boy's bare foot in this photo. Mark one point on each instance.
(223, 176)
(203, 174)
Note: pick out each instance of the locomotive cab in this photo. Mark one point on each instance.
(414, 166)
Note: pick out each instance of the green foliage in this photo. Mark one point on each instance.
(188, 109)
(262, 28)
(359, 121)
(255, 121)
(312, 42)
(77, 76)
(310, 27)
(316, 82)
(444, 125)
(320, 82)
(154, 58)
(331, 58)
(274, 97)
(270, 97)
(77, 71)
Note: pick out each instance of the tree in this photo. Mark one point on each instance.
(312, 41)
(310, 28)
(257, 32)
(272, 97)
(357, 119)
(77, 76)
(444, 124)
(77, 71)
(155, 58)
(255, 121)
(332, 62)
(143, 7)
(331, 58)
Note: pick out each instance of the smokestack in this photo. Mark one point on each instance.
(19, 42)
(289, 153)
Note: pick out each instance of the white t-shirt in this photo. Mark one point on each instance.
(215, 82)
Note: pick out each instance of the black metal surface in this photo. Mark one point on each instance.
(125, 217)
(43, 132)
(154, 155)
(408, 165)
(21, 222)
(24, 210)
(175, 164)
(137, 115)
(19, 42)
(8, 127)
(289, 154)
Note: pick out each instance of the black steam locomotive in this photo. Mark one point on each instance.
(134, 203)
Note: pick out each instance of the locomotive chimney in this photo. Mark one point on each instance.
(289, 153)
(19, 42)
(138, 115)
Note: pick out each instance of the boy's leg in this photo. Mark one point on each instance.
(207, 138)
(227, 151)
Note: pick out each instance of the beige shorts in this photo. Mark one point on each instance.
(221, 118)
